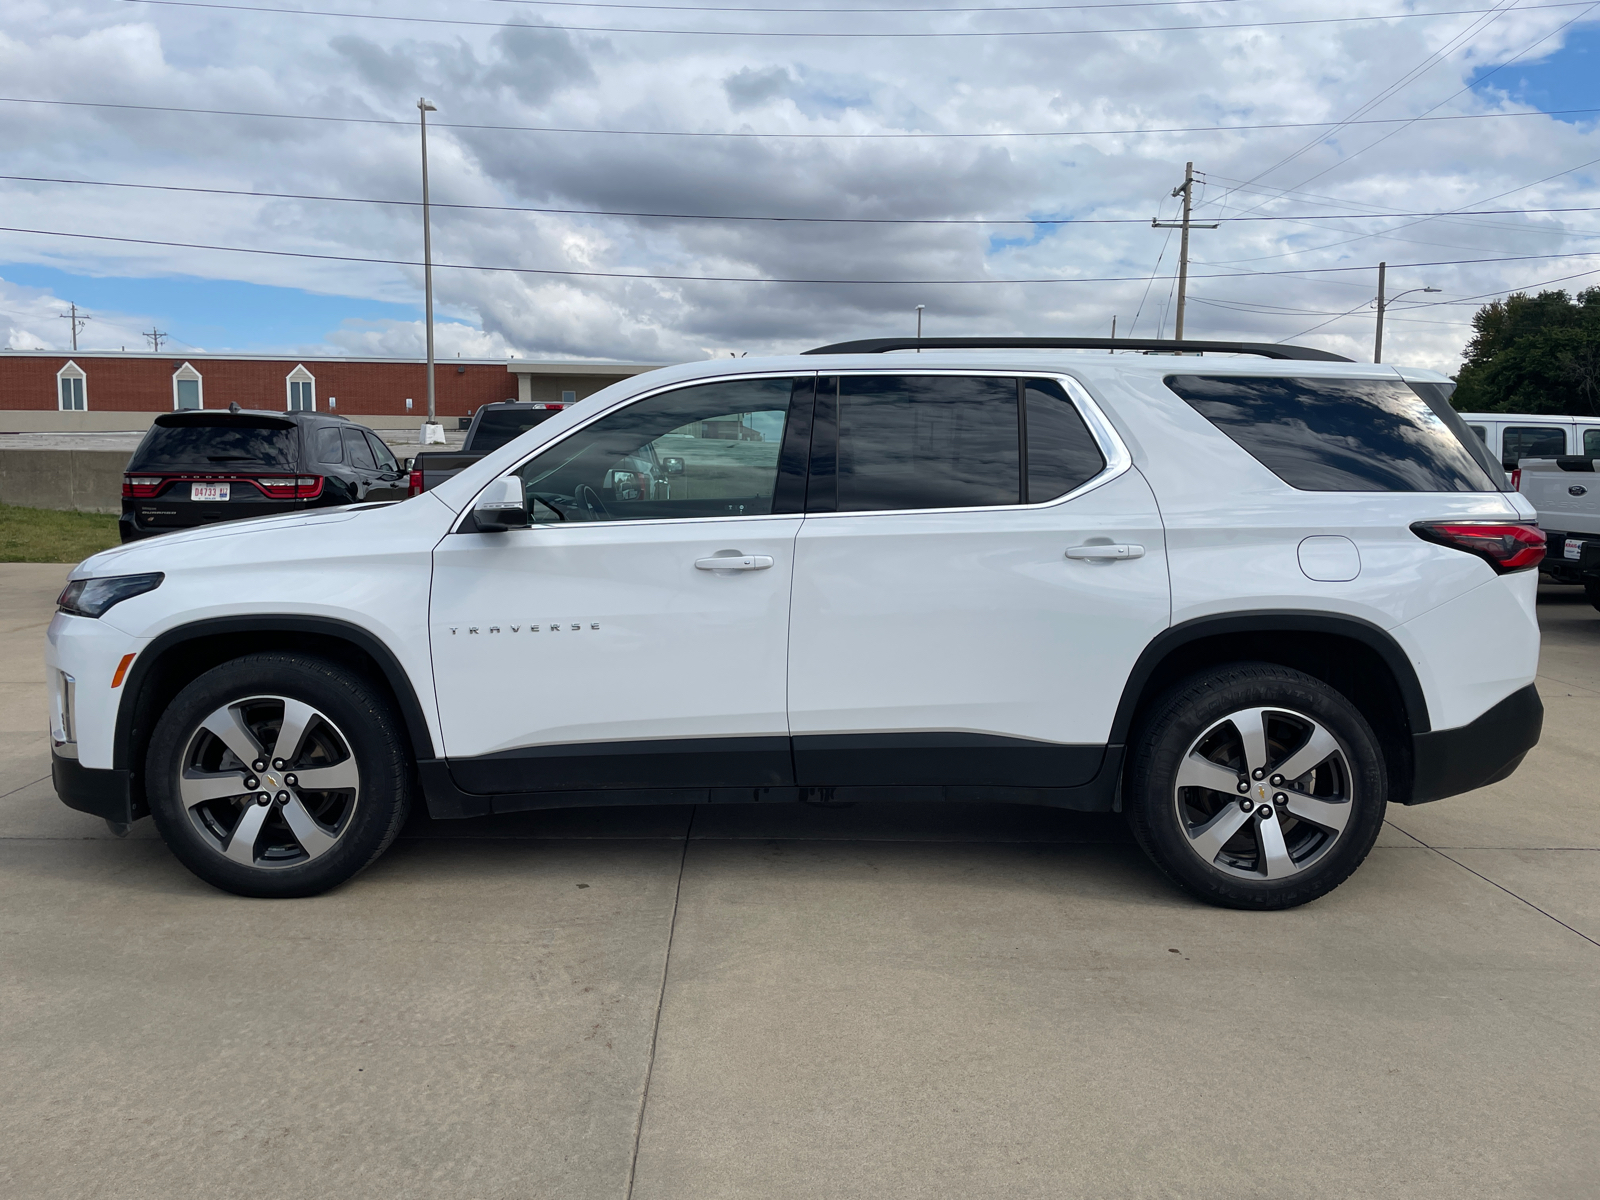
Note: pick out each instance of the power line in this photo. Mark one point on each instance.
(908, 135)
(765, 33)
(401, 262)
(680, 216)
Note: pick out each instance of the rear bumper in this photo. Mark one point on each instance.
(102, 793)
(1572, 554)
(1451, 761)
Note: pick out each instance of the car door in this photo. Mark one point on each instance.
(978, 571)
(636, 636)
(363, 464)
(390, 482)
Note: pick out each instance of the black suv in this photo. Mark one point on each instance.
(198, 468)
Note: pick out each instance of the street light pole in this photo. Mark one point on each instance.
(1383, 303)
(920, 307)
(428, 434)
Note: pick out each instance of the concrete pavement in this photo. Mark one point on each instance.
(800, 1002)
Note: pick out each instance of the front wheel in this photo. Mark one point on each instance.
(1256, 786)
(278, 775)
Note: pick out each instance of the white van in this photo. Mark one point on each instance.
(1513, 436)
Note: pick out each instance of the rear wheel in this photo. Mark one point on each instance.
(1256, 786)
(278, 775)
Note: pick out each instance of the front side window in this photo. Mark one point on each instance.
(385, 458)
(1531, 441)
(71, 383)
(927, 441)
(1482, 431)
(710, 450)
(1339, 435)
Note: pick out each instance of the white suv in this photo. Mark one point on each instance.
(1236, 598)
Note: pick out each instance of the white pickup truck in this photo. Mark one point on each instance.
(1566, 492)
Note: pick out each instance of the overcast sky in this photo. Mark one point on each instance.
(767, 72)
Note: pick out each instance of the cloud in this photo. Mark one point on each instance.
(1255, 280)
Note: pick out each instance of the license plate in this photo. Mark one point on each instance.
(208, 491)
(1573, 548)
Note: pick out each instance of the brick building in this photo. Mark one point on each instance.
(141, 385)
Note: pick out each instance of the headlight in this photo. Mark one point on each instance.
(93, 597)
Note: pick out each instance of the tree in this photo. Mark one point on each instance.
(1534, 354)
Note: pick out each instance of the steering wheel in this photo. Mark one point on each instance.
(589, 500)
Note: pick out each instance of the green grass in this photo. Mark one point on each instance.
(45, 535)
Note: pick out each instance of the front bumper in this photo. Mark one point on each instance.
(1451, 761)
(104, 793)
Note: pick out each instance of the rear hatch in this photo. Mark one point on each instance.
(194, 468)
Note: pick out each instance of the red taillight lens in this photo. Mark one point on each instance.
(290, 487)
(141, 487)
(1503, 545)
(1516, 479)
(414, 487)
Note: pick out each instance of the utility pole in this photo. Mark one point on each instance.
(1113, 349)
(1383, 303)
(77, 325)
(1186, 190)
(920, 307)
(431, 432)
(154, 338)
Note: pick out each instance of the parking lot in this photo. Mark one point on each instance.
(798, 1001)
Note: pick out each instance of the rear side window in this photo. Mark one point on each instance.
(357, 452)
(1591, 441)
(1531, 441)
(927, 441)
(497, 426)
(213, 443)
(1338, 435)
(1482, 431)
(330, 447)
(1062, 454)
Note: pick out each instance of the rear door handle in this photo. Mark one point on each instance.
(1103, 552)
(745, 562)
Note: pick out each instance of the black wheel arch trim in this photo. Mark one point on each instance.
(400, 684)
(1272, 620)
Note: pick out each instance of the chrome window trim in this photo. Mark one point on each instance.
(1118, 460)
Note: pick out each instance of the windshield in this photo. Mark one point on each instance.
(217, 445)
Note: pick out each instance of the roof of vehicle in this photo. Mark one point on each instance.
(226, 416)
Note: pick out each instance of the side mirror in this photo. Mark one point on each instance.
(673, 465)
(405, 464)
(501, 506)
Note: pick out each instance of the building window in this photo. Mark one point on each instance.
(302, 391)
(71, 388)
(186, 389)
(569, 397)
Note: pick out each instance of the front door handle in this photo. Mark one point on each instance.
(1107, 553)
(744, 562)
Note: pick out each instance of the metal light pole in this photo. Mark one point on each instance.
(428, 435)
(1377, 344)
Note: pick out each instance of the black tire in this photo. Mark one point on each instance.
(1319, 826)
(303, 840)
(1591, 591)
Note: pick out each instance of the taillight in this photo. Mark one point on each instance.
(415, 486)
(141, 487)
(1516, 479)
(1503, 545)
(290, 487)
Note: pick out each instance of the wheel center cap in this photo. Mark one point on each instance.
(271, 780)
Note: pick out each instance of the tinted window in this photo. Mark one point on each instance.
(386, 460)
(1062, 454)
(330, 446)
(705, 451)
(1531, 441)
(1482, 431)
(927, 441)
(1337, 435)
(1591, 441)
(497, 426)
(218, 442)
(357, 452)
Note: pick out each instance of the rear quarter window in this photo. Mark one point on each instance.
(1339, 435)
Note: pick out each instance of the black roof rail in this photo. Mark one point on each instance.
(1264, 349)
